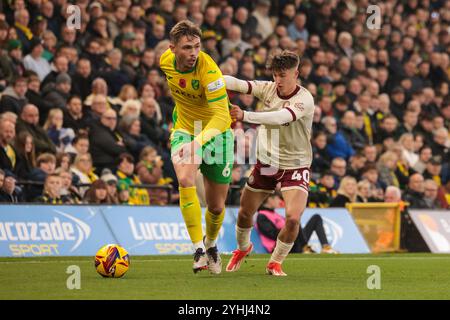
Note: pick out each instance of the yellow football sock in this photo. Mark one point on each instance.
(213, 225)
(192, 213)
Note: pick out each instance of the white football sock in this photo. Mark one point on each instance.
(199, 244)
(281, 251)
(243, 237)
(209, 243)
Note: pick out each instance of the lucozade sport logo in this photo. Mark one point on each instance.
(58, 229)
(83, 229)
(161, 230)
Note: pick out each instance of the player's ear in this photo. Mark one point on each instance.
(171, 47)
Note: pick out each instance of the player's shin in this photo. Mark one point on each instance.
(192, 215)
(281, 251)
(243, 237)
(213, 225)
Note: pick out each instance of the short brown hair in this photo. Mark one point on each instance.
(45, 158)
(283, 61)
(125, 156)
(52, 175)
(184, 28)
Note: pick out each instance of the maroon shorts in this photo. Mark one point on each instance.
(264, 180)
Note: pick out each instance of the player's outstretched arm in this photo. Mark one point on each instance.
(271, 118)
(279, 117)
(235, 84)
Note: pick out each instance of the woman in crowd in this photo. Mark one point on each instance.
(26, 154)
(98, 193)
(130, 128)
(83, 169)
(63, 161)
(386, 165)
(346, 193)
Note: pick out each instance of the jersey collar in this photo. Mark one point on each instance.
(185, 72)
(297, 88)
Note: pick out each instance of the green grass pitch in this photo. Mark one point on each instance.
(403, 276)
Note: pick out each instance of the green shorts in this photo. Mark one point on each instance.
(217, 154)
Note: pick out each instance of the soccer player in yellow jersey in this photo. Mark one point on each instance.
(201, 138)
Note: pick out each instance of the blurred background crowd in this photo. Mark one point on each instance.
(86, 114)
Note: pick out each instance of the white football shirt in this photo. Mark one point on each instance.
(285, 146)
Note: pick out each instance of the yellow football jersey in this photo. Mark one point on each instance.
(199, 94)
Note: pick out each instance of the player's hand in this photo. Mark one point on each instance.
(236, 113)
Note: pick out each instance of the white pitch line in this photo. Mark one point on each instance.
(249, 259)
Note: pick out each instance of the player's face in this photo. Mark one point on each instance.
(286, 80)
(186, 52)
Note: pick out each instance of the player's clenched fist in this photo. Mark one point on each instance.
(236, 113)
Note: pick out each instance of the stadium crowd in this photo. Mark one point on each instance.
(85, 114)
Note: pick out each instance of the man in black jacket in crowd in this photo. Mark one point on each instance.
(29, 121)
(8, 155)
(13, 98)
(106, 144)
(414, 194)
(74, 117)
(9, 193)
(149, 124)
(83, 78)
(34, 96)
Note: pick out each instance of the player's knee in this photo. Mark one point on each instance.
(186, 181)
(292, 224)
(247, 214)
(215, 209)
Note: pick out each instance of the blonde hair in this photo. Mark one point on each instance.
(49, 34)
(45, 158)
(125, 89)
(404, 136)
(51, 115)
(78, 158)
(129, 104)
(344, 182)
(385, 157)
(361, 184)
(8, 115)
(146, 151)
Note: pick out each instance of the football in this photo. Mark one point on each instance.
(112, 261)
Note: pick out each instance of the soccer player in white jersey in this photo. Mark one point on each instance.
(284, 155)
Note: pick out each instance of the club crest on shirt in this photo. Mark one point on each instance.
(182, 83)
(195, 84)
(299, 106)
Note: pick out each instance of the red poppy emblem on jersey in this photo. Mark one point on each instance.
(182, 83)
